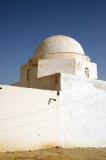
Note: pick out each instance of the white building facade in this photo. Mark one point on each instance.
(56, 54)
(58, 101)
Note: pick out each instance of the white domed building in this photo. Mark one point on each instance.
(58, 101)
(54, 55)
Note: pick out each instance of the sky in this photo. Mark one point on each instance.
(25, 23)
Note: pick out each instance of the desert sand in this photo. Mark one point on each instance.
(57, 153)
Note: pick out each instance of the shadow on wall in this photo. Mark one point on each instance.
(50, 82)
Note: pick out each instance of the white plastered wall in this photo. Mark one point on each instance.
(80, 69)
(76, 119)
(28, 118)
(83, 112)
(51, 66)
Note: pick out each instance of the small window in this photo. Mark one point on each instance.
(87, 72)
(28, 74)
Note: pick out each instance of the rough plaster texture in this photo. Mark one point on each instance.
(52, 66)
(84, 112)
(28, 118)
(54, 55)
(75, 66)
(42, 70)
(34, 118)
(50, 82)
(80, 69)
(59, 43)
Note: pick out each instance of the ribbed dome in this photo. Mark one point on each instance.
(59, 43)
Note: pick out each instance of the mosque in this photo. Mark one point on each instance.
(58, 101)
(54, 55)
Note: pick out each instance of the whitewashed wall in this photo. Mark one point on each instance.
(80, 69)
(83, 108)
(76, 119)
(27, 121)
(52, 66)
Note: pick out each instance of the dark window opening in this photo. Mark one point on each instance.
(28, 74)
(87, 72)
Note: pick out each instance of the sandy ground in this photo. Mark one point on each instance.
(57, 153)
